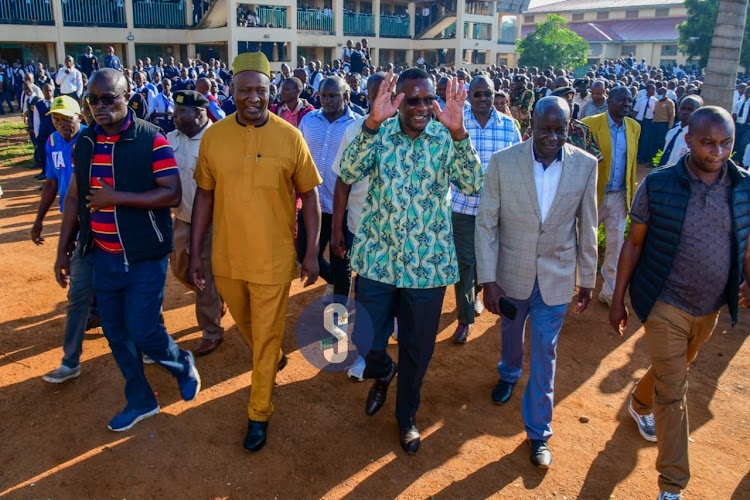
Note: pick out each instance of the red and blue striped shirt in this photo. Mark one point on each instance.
(103, 225)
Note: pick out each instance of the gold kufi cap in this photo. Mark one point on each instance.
(251, 61)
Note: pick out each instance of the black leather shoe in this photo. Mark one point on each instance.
(409, 439)
(461, 333)
(282, 362)
(502, 392)
(256, 435)
(378, 392)
(541, 456)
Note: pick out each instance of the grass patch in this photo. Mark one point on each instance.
(20, 155)
(9, 129)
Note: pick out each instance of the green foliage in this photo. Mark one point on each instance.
(551, 44)
(657, 158)
(697, 32)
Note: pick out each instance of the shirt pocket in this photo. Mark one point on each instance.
(266, 173)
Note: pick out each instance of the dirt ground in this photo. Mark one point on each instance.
(54, 441)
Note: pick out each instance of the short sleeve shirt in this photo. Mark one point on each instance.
(254, 172)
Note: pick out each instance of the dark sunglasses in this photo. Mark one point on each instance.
(414, 101)
(479, 95)
(107, 100)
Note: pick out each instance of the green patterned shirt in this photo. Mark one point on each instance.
(405, 237)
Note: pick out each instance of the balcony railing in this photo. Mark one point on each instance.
(394, 27)
(272, 15)
(93, 13)
(23, 12)
(315, 20)
(159, 14)
(358, 24)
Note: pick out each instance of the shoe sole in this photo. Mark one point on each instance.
(153, 412)
(194, 373)
(650, 439)
(542, 466)
(60, 380)
(356, 378)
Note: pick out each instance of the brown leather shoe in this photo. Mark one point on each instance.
(461, 333)
(206, 346)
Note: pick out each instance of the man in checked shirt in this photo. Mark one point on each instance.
(489, 131)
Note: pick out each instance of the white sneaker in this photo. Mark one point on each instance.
(62, 374)
(645, 425)
(328, 291)
(147, 360)
(357, 370)
(478, 306)
(666, 495)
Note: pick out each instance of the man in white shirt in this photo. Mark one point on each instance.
(643, 112)
(69, 79)
(739, 94)
(140, 87)
(742, 134)
(675, 146)
(191, 122)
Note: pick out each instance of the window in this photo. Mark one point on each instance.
(626, 50)
(577, 16)
(602, 15)
(595, 49)
(669, 50)
(528, 19)
(662, 12)
(631, 14)
(507, 30)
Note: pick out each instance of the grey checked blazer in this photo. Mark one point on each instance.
(515, 248)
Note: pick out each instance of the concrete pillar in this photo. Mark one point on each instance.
(189, 12)
(410, 57)
(375, 55)
(233, 35)
(338, 17)
(411, 10)
(376, 17)
(130, 60)
(494, 33)
(460, 14)
(59, 56)
(190, 51)
(292, 22)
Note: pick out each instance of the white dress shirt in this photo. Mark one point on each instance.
(680, 147)
(69, 82)
(546, 180)
(743, 109)
(186, 154)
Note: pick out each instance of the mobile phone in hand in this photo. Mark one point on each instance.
(508, 308)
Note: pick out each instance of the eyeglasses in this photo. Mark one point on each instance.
(106, 100)
(414, 101)
(479, 95)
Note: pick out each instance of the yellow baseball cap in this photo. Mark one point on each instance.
(65, 105)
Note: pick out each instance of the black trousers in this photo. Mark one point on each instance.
(418, 313)
(335, 272)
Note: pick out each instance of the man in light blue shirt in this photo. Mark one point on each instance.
(323, 131)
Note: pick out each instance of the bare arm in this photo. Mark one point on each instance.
(629, 257)
(67, 233)
(311, 216)
(203, 212)
(340, 200)
(166, 195)
(49, 193)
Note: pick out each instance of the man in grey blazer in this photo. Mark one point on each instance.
(535, 235)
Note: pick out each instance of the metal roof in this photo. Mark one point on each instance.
(576, 5)
(630, 30)
(512, 6)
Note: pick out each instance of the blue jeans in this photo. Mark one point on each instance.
(546, 322)
(80, 297)
(129, 306)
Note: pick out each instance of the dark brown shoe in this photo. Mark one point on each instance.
(206, 346)
(282, 362)
(378, 392)
(461, 333)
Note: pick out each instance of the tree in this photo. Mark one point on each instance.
(696, 33)
(725, 55)
(551, 44)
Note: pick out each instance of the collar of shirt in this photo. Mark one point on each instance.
(196, 137)
(493, 121)
(296, 109)
(125, 126)
(394, 127)
(348, 115)
(613, 125)
(558, 159)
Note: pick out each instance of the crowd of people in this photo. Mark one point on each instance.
(413, 179)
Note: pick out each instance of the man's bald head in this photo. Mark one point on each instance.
(480, 78)
(710, 117)
(334, 83)
(108, 78)
(203, 85)
(552, 105)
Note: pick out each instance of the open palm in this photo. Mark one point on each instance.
(453, 114)
(384, 107)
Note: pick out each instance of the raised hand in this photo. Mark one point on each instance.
(453, 114)
(383, 107)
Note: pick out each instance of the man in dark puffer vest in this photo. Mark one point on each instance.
(683, 260)
(124, 183)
